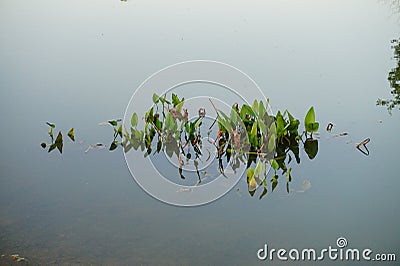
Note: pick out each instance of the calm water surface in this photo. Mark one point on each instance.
(77, 63)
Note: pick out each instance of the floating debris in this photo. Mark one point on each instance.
(341, 134)
(329, 127)
(185, 190)
(364, 144)
(17, 258)
(98, 146)
(202, 112)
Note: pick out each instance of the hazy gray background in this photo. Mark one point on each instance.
(77, 63)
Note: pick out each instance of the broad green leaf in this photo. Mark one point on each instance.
(169, 121)
(311, 147)
(71, 134)
(252, 184)
(158, 124)
(179, 106)
(274, 164)
(310, 116)
(309, 121)
(255, 107)
(156, 98)
(174, 125)
(134, 120)
(224, 121)
(261, 110)
(258, 169)
(253, 131)
(280, 125)
(262, 126)
(246, 110)
(271, 143)
(233, 116)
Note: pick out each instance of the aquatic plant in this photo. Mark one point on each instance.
(394, 80)
(247, 135)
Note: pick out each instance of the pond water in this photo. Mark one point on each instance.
(77, 63)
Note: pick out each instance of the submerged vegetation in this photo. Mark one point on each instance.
(394, 80)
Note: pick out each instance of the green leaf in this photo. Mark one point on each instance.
(258, 169)
(309, 121)
(271, 143)
(274, 164)
(288, 175)
(263, 193)
(52, 147)
(274, 182)
(253, 131)
(175, 99)
(71, 134)
(255, 107)
(164, 100)
(262, 126)
(149, 115)
(280, 125)
(198, 122)
(311, 147)
(310, 116)
(158, 124)
(261, 110)
(120, 131)
(155, 98)
(253, 135)
(250, 174)
(252, 184)
(58, 143)
(246, 110)
(113, 122)
(224, 122)
(233, 116)
(113, 145)
(179, 106)
(169, 121)
(134, 120)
